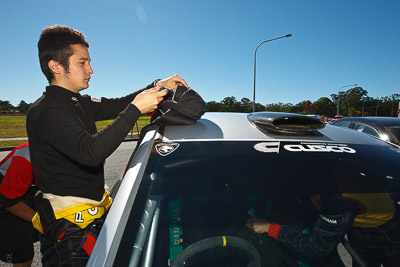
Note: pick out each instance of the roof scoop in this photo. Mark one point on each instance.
(285, 123)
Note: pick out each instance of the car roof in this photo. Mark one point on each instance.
(221, 126)
(387, 121)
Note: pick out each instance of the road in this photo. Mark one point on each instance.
(114, 166)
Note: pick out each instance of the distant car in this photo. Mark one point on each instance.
(330, 120)
(314, 116)
(188, 190)
(385, 128)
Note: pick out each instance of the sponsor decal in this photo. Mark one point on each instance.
(95, 99)
(331, 221)
(338, 148)
(274, 146)
(267, 147)
(165, 149)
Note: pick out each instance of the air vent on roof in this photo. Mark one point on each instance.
(285, 123)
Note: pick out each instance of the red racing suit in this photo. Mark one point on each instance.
(16, 178)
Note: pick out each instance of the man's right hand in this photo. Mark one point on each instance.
(259, 226)
(147, 101)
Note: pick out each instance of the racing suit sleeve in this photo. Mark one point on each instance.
(336, 217)
(109, 108)
(16, 182)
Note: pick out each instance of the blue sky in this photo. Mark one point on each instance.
(211, 44)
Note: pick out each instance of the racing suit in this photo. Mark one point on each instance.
(366, 218)
(16, 177)
(68, 157)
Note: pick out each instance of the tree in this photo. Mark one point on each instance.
(308, 107)
(213, 106)
(259, 107)
(6, 107)
(23, 107)
(298, 108)
(325, 107)
(278, 107)
(353, 101)
(229, 101)
(247, 105)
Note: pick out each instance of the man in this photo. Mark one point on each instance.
(67, 151)
(370, 220)
(17, 234)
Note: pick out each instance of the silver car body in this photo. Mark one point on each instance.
(225, 127)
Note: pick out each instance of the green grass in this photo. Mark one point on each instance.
(12, 126)
(12, 143)
(15, 126)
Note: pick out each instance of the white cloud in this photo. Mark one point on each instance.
(141, 13)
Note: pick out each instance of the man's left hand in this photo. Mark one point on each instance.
(172, 82)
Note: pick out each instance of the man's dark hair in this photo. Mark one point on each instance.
(55, 44)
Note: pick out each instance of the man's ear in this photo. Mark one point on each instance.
(54, 66)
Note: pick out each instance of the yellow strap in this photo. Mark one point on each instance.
(223, 241)
(87, 213)
(36, 223)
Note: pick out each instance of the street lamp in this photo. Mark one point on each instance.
(337, 111)
(255, 54)
(362, 112)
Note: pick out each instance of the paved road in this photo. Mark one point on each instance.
(114, 166)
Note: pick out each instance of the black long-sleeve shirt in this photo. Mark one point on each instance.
(67, 152)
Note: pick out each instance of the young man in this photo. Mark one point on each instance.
(17, 234)
(67, 151)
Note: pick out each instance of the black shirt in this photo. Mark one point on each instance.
(67, 152)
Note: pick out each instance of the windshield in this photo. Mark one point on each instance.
(198, 190)
(395, 131)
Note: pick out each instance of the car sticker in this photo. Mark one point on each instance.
(274, 147)
(165, 149)
(267, 147)
(319, 147)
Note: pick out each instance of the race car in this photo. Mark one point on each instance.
(188, 190)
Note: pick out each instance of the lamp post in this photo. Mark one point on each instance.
(337, 111)
(362, 112)
(255, 55)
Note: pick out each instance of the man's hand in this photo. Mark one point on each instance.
(172, 82)
(259, 226)
(147, 101)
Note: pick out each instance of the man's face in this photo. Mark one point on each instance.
(78, 76)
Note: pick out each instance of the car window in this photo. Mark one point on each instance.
(365, 129)
(395, 130)
(192, 191)
(341, 123)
